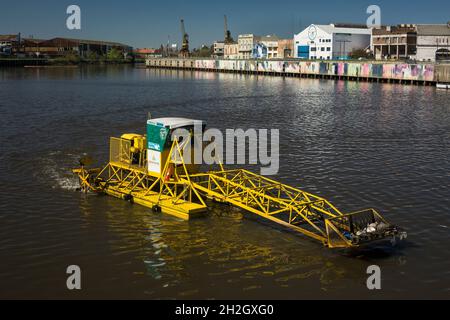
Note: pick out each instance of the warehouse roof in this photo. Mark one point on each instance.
(62, 41)
(83, 41)
(8, 37)
(331, 28)
(433, 29)
(400, 29)
(270, 37)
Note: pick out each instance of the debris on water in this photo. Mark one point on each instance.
(348, 235)
(378, 230)
(373, 227)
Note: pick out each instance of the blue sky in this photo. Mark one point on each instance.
(148, 23)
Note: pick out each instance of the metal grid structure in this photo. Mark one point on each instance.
(179, 192)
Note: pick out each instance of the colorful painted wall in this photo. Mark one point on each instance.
(400, 71)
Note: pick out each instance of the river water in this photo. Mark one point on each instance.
(357, 144)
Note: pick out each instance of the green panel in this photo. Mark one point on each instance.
(156, 137)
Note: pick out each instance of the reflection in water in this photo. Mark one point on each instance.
(227, 248)
(358, 144)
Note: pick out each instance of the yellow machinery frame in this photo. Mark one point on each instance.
(179, 193)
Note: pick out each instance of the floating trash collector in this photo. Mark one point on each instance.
(150, 170)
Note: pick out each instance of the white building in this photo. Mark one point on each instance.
(8, 40)
(246, 44)
(330, 42)
(433, 42)
(259, 51)
(219, 47)
(231, 51)
(271, 43)
(394, 42)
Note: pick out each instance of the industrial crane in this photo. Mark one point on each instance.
(184, 52)
(228, 38)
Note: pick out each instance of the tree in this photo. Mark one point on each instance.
(92, 56)
(114, 55)
(360, 54)
(69, 58)
(203, 52)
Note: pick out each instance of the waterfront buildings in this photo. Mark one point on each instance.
(394, 42)
(231, 50)
(330, 42)
(145, 53)
(422, 42)
(58, 47)
(6, 44)
(247, 44)
(62, 46)
(7, 40)
(259, 51)
(285, 48)
(260, 47)
(218, 49)
(433, 42)
(270, 43)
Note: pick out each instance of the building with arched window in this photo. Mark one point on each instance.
(433, 42)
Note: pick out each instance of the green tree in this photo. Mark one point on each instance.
(360, 54)
(203, 52)
(114, 55)
(92, 56)
(69, 58)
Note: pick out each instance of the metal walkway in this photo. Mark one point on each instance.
(269, 199)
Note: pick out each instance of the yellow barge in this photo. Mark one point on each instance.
(150, 170)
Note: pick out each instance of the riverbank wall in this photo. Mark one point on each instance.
(30, 62)
(392, 72)
(19, 62)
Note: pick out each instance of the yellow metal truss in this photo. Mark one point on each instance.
(180, 193)
(269, 199)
